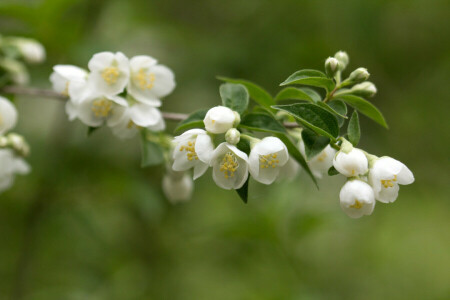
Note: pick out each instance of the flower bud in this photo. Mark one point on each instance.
(233, 136)
(343, 59)
(219, 119)
(18, 143)
(8, 115)
(359, 75)
(365, 89)
(32, 51)
(177, 187)
(331, 66)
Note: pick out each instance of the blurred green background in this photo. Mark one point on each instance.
(88, 223)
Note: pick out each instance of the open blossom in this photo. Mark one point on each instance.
(193, 149)
(109, 72)
(290, 170)
(320, 163)
(8, 115)
(230, 166)
(353, 163)
(357, 198)
(149, 82)
(266, 159)
(177, 186)
(385, 176)
(219, 119)
(10, 165)
(62, 76)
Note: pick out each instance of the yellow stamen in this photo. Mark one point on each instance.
(322, 156)
(66, 90)
(190, 149)
(357, 204)
(145, 81)
(229, 165)
(389, 183)
(102, 108)
(268, 160)
(110, 75)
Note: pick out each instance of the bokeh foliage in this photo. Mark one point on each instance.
(88, 223)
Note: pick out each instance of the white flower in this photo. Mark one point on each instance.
(134, 117)
(219, 119)
(32, 51)
(10, 165)
(290, 170)
(266, 159)
(95, 110)
(193, 149)
(149, 82)
(62, 76)
(230, 166)
(386, 175)
(357, 198)
(109, 72)
(8, 115)
(353, 163)
(320, 163)
(177, 187)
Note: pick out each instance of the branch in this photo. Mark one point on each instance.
(27, 91)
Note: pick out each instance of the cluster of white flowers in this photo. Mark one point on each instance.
(231, 167)
(122, 93)
(369, 178)
(12, 146)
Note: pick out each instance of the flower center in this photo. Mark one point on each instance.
(357, 204)
(190, 149)
(269, 160)
(145, 81)
(110, 75)
(322, 156)
(389, 183)
(101, 108)
(229, 165)
(66, 90)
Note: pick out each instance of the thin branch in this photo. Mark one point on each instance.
(27, 91)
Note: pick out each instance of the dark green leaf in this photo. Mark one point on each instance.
(365, 107)
(244, 146)
(257, 93)
(332, 171)
(310, 77)
(152, 153)
(261, 122)
(295, 153)
(331, 109)
(243, 191)
(314, 144)
(313, 117)
(302, 93)
(194, 120)
(234, 96)
(91, 130)
(341, 108)
(353, 129)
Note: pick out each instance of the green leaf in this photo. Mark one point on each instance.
(365, 107)
(313, 117)
(341, 108)
(353, 129)
(302, 93)
(244, 146)
(310, 77)
(152, 153)
(295, 153)
(91, 130)
(332, 171)
(234, 96)
(331, 110)
(257, 93)
(194, 120)
(261, 122)
(314, 144)
(243, 191)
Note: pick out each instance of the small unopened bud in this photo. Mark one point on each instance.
(233, 136)
(365, 89)
(331, 66)
(18, 143)
(237, 119)
(3, 141)
(177, 187)
(343, 59)
(359, 75)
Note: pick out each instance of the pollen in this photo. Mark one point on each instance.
(102, 108)
(389, 183)
(190, 151)
(322, 156)
(357, 204)
(229, 165)
(145, 81)
(66, 90)
(110, 75)
(269, 160)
